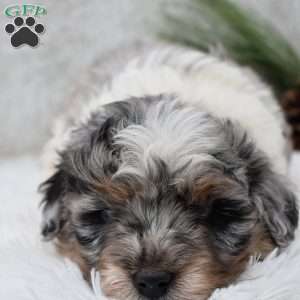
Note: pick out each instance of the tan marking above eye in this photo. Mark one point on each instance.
(210, 185)
(117, 192)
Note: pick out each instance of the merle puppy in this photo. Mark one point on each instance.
(171, 178)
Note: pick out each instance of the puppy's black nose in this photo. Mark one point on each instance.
(152, 284)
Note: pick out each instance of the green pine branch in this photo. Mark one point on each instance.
(245, 37)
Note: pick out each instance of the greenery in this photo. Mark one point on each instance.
(243, 35)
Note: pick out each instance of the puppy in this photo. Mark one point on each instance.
(169, 180)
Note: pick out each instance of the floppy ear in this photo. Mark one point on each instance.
(88, 159)
(277, 206)
(54, 190)
(275, 202)
(68, 203)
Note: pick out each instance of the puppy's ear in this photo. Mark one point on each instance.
(89, 158)
(275, 202)
(54, 190)
(277, 206)
(91, 154)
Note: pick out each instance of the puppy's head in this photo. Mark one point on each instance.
(164, 200)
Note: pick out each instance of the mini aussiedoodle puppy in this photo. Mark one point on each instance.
(171, 179)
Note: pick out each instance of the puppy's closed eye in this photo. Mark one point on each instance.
(224, 212)
(95, 217)
(89, 223)
(231, 224)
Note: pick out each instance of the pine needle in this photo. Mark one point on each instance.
(245, 37)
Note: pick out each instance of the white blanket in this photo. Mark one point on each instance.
(31, 270)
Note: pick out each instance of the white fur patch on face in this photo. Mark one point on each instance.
(179, 136)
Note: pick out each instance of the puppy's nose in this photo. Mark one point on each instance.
(152, 284)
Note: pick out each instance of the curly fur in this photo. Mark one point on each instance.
(179, 179)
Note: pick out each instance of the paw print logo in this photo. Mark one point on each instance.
(24, 32)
